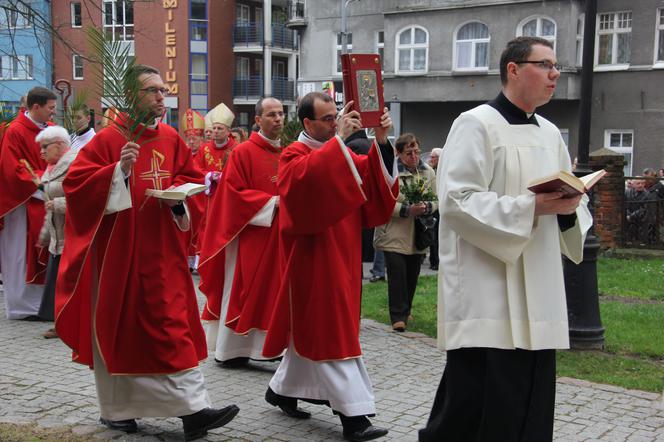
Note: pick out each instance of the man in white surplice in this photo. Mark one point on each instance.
(502, 308)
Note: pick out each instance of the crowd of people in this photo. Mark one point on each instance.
(644, 211)
(275, 235)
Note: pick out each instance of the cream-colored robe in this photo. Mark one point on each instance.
(502, 279)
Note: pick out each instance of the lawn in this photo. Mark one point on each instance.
(632, 316)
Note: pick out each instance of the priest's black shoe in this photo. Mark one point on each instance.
(233, 363)
(287, 404)
(127, 425)
(368, 433)
(197, 425)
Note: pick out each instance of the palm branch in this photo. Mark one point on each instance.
(77, 104)
(118, 83)
(291, 132)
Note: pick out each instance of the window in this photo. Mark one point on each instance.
(18, 15)
(621, 141)
(258, 67)
(77, 62)
(580, 23)
(76, 19)
(119, 19)
(539, 27)
(199, 74)
(380, 47)
(614, 38)
(279, 70)
(16, 68)
(259, 14)
(412, 50)
(472, 47)
(198, 20)
(337, 53)
(659, 42)
(242, 14)
(242, 68)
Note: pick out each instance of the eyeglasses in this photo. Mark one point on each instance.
(154, 90)
(413, 153)
(274, 114)
(545, 65)
(327, 118)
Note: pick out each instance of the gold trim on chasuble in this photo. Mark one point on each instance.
(156, 174)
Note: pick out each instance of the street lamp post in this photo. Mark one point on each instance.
(585, 324)
(344, 25)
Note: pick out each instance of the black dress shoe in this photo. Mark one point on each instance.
(376, 278)
(368, 433)
(287, 404)
(127, 425)
(197, 425)
(234, 363)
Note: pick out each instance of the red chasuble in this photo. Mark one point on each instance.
(19, 147)
(248, 183)
(322, 212)
(146, 320)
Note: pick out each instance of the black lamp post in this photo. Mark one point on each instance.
(585, 324)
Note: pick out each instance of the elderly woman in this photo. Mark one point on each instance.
(55, 149)
(415, 204)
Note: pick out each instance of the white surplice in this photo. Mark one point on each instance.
(223, 341)
(501, 283)
(21, 299)
(128, 396)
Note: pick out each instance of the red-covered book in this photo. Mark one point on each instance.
(363, 83)
(566, 182)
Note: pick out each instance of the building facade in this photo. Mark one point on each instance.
(441, 57)
(25, 50)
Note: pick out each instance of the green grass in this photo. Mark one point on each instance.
(634, 355)
(637, 278)
(30, 433)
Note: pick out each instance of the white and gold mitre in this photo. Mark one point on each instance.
(220, 114)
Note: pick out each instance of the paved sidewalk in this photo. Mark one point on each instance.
(39, 384)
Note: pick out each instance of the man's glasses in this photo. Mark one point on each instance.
(327, 118)
(154, 90)
(545, 65)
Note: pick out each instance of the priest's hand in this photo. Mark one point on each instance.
(349, 121)
(128, 156)
(553, 203)
(384, 128)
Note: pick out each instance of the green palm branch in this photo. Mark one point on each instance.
(79, 101)
(291, 132)
(118, 83)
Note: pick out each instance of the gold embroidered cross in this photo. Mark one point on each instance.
(156, 174)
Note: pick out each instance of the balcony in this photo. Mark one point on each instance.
(248, 34)
(282, 37)
(251, 88)
(296, 18)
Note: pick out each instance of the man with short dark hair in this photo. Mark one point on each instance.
(125, 301)
(326, 195)
(501, 295)
(22, 260)
(240, 249)
(83, 130)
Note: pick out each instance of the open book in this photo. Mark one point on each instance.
(566, 182)
(179, 193)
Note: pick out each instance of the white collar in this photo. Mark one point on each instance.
(273, 143)
(310, 142)
(220, 146)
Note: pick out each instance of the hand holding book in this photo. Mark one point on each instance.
(179, 193)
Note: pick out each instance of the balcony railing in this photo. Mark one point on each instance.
(283, 89)
(296, 18)
(282, 37)
(248, 88)
(248, 34)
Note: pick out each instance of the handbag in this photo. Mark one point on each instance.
(424, 231)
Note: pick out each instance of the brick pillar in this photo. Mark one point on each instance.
(609, 197)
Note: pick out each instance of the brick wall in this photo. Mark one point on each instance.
(609, 198)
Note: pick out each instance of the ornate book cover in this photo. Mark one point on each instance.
(363, 83)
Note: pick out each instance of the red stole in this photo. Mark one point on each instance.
(248, 183)
(146, 319)
(322, 212)
(18, 147)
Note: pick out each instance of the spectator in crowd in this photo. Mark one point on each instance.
(397, 238)
(55, 145)
(239, 134)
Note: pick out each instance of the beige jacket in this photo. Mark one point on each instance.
(398, 235)
(53, 230)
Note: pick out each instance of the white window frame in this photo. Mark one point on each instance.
(243, 65)
(279, 65)
(621, 149)
(242, 10)
(379, 47)
(473, 50)
(13, 62)
(659, 29)
(73, 20)
(336, 62)
(538, 32)
(581, 21)
(411, 47)
(74, 58)
(19, 18)
(615, 30)
(115, 24)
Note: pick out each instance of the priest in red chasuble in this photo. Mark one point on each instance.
(239, 255)
(327, 194)
(22, 260)
(125, 301)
